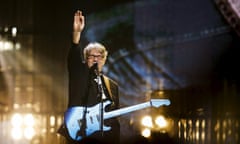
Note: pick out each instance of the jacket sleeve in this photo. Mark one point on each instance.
(78, 74)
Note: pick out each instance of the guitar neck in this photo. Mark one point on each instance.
(122, 111)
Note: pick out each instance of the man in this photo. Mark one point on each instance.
(89, 87)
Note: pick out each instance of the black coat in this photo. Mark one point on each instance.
(83, 91)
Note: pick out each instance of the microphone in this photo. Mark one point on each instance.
(95, 67)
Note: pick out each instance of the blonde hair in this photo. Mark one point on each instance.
(95, 45)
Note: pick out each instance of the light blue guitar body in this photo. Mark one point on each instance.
(73, 117)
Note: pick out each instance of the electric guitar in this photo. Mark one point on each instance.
(73, 117)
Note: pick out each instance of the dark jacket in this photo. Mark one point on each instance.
(83, 92)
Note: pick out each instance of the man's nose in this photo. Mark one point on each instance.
(96, 59)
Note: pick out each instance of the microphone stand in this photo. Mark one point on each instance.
(100, 95)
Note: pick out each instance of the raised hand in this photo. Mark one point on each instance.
(78, 26)
(79, 22)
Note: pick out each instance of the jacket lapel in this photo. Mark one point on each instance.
(107, 83)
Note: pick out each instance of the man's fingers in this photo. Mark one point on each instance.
(78, 15)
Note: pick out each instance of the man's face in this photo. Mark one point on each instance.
(95, 56)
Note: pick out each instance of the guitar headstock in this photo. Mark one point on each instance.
(160, 102)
